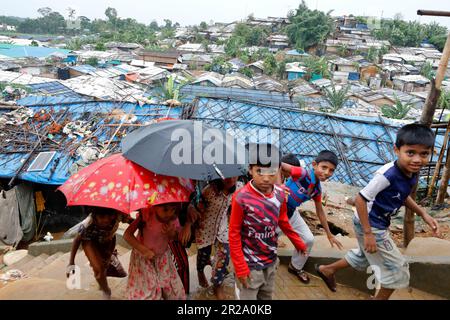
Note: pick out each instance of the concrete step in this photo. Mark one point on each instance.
(53, 257)
(36, 262)
(18, 265)
(118, 285)
(55, 270)
(44, 289)
(47, 261)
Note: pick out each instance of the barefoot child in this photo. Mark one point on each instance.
(212, 217)
(98, 240)
(304, 185)
(256, 211)
(152, 273)
(381, 199)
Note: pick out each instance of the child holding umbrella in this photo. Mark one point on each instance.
(152, 273)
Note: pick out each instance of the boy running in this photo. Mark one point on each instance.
(381, 199)
(304, 185)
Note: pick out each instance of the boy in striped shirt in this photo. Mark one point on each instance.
(256, 212)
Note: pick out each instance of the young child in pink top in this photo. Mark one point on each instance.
(152, 273)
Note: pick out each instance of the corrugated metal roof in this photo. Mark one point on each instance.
(21, 78)
(256, 96)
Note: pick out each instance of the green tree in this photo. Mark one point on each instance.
(444, 99)
(438, 41)
(316, 65)
(219, 65)
(100, 46)
(427, 70)
(234, 45)
(336, 98)
(203, 25)
(247, 72)
(411, 33)
(373, 55)
(74, 44)
(281, 69)
(205, 45)
(34, 44)
(343, 50)
(154, 25)
(270, 65)
(85, 23)
(170, 90)
(253, 36)
(111, 13)
(11, 21)
(45, 11)
(398, 111)
(92, 61)
(308, 27)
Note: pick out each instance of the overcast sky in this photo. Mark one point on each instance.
(188, 12)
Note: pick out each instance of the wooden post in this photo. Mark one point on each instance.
(430, 104)
(437, 169)
(444, 181)
(427, 118)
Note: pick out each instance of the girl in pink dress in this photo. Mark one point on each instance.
(152, 273)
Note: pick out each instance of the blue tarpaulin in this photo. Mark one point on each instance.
(57, 172)
(29, 51)
(363, 144)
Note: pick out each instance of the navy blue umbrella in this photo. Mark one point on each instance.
(186, 148)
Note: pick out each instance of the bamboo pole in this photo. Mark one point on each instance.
(444, 181)
(427, 118)
(439, 162)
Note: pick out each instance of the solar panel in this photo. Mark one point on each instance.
(41, 162)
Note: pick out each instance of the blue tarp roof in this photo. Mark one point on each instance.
(85, 68)
(363, 144)
(296, 53)
(254, 96)
(57, 171)
(29, 51)
(51, 93)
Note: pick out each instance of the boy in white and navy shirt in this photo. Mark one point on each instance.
(380, 200)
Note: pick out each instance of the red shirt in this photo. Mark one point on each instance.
(252, 231)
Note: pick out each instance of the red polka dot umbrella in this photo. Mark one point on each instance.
(117, 183)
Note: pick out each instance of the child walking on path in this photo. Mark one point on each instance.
(98, 239)
(152, 273)
(256, 211)
(381, 199)
(212, 217)
(304, 185)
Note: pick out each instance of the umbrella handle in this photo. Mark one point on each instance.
(218, 171)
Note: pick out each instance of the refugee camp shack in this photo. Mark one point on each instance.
(236, 64)
(411, 83)
(295, 70)
(278, 42)
(196, 61)
(209, 79)
(237, 80)
(267, 83)
(257, 67)
(161, 59)
(126, 47)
